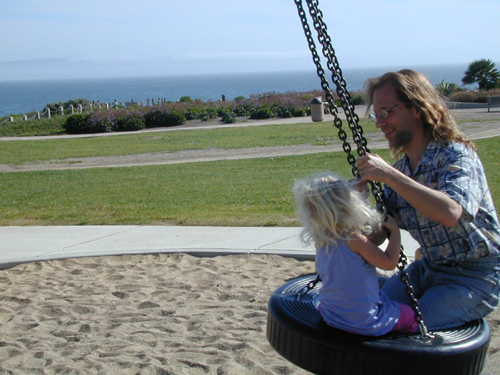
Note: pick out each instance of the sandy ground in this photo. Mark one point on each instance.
(151, 314)
(154, 314)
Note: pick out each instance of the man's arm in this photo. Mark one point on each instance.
(433, 204)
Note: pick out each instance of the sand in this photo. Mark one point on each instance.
(149, 314)
(153, 314)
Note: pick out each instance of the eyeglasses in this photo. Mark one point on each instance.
(382, 114)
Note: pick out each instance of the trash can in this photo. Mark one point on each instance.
(317, 111)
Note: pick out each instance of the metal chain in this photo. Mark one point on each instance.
(310, 285)
(353, 122)
(403, 275)
(326, 87)
(344, 95)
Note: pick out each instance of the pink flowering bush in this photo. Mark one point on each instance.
(261, 106)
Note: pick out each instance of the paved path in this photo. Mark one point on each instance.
(27, 244)
(482, 124)
(40, 243)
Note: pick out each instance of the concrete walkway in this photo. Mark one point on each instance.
(41, 243)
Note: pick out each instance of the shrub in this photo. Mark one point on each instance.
(162, 118)
(175, 118)
(357, 98)
(130, 122)
(209, 114)
(102, 121)
(262, 113)
(193, 113)
(75, 102)
(186, 99)
(228, 118)
(493, 92)
(302, 112)
(242, 110)
(77, 124)
(473, 96)
(467, 96)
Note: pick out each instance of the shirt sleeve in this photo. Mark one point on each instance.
(460, 178)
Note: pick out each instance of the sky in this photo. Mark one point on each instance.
(47, 39)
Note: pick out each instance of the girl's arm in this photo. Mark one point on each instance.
(378, 238)
(385, 260)
(362, 186)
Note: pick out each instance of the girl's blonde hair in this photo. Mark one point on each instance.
(331, 208)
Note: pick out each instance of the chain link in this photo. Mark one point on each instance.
(326, 88)
(353, 123)
(310, 285)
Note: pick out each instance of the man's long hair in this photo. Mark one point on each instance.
(414, 90)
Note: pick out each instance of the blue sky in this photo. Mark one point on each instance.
(114, 38)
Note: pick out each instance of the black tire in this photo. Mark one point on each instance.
(297, 332)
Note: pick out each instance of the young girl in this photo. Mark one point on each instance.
(338, 219)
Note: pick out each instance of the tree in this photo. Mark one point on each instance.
(483, 73)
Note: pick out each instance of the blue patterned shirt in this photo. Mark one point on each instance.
(457, 171)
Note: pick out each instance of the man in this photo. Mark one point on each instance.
(437, 191)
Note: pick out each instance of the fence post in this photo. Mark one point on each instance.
(37, 116)
(71, 109)
(142, 103)
(11, 119)
(148, 101)
(24, 118)
(60, 110)
(79, 108)
(47, 112)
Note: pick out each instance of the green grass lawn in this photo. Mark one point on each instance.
(252, 192)
(316, 133)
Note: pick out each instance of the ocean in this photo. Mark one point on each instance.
(20, 97)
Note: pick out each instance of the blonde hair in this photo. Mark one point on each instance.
(331, 209)
(414, 90)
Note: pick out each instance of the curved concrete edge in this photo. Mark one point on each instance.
(42, 243)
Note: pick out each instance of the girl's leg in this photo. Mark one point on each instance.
(406, 321)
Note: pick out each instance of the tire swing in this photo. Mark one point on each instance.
(295, 328)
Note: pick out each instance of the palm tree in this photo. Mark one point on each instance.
(484, 73)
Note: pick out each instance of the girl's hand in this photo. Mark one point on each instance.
(360, 185)
(390, 224)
